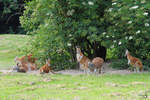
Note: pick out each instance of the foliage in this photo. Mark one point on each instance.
(60, 25)
(91, 24)
(10, 10)
(129, 20)
(146, 65)
(119, 64)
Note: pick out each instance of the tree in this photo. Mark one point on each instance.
(10, 11)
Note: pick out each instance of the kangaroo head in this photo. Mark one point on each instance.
(48, 62)
(78, 50)
(17, 61)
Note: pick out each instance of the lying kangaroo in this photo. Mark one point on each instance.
(25, 63)
(46, 68)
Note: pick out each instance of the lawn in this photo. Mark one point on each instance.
(18, 86)
(9, 45)
(25, 86)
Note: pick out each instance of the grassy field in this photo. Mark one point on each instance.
(81, 87)
(21, 86)
(9, 45)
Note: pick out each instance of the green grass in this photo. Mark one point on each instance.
(21, 86)
(65, 87)
(9, 45)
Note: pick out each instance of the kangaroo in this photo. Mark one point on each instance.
(25, 63)
(96, 65)
(83, 60)
(134, 62)
(46, 68)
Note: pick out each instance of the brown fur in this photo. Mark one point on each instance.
(83, 60)
(46, 68)
(135, 62)
(98, 62)
(25, 63)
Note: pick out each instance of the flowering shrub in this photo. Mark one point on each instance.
(60, 25)
(130, 29)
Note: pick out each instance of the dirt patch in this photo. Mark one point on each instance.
(71, 72)
(106, 70)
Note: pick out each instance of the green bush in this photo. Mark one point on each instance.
(130, 27)
(58, 26)
(146, 64)
(119, 64)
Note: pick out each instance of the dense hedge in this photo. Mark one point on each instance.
(60, 25)
(130, 27)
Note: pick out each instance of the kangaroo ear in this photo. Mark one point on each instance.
(48, 59)
(15, 58)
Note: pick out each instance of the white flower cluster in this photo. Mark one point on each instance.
(143, 1)
(138, 32)
(129, 22)
(104, 33)
(119, 43)
(114, 41)
(134, 7)
(70, 35)
(110, 9)
(46, 24)
(69, 44)
(70, 12)
(146, 24)
(107, 36)
(112, 46)
(131, 37)
(145, 14)
(83, 3)
(90, 3)
(114, 3)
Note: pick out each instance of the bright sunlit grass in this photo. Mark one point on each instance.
(9, 45)
(65, 87)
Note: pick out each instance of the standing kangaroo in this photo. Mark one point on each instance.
(96, 65)
(134, 62)
(83, 60)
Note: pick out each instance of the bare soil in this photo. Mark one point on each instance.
(106, 70)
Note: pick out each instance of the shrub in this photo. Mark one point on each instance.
(130, 27)
(60, 25)
(146, 64)
(119, 64)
